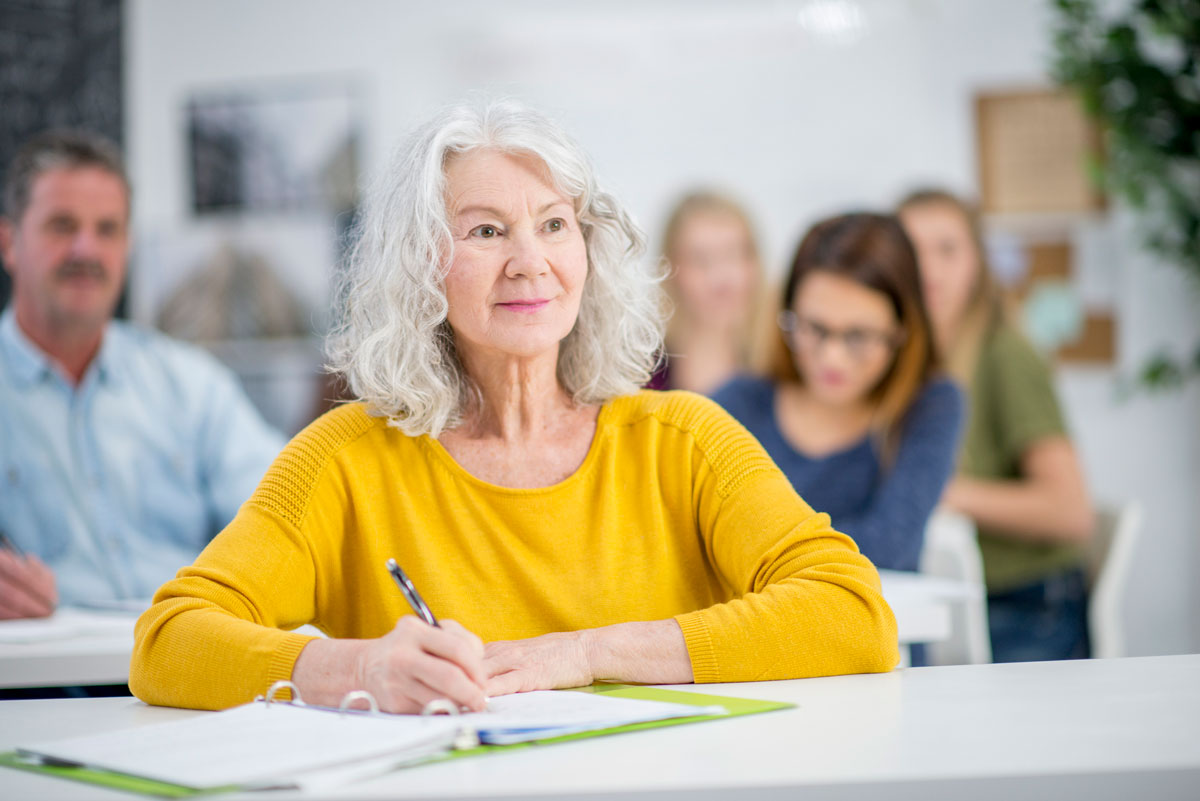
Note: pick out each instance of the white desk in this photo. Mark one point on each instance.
(922, 605)
(1119, 729)
(82, 648)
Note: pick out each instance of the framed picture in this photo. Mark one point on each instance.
(290, 148)
(237, 279)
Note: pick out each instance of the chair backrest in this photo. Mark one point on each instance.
(1109, 563)
(952, 551)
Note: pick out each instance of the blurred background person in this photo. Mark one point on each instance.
(714, 283)
(1019, 477)
(123, 452)
(854, 409)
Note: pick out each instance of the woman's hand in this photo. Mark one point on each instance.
(652, 652)
(405, 669)
(416, 663)
(548, 662)
(27, 587)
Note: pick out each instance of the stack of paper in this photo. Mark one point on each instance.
(255, 746)
(274, 745)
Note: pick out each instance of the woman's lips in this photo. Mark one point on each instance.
(831, 378)
(525, 306)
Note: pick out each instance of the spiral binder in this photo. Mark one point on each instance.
(465, 737)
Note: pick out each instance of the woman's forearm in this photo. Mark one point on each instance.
(1022, 510)
(651, 652)
(1049, 503)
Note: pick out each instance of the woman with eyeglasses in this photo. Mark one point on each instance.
(854, 409)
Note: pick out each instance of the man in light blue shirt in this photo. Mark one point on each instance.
(122, 452)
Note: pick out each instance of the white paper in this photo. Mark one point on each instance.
(261, 746)
(65, 624)
(255, 745)
(132, 605)
(552, 713)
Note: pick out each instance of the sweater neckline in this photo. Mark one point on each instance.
(839, 453)
(443, 456)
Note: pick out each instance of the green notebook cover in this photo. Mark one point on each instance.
(134, 784)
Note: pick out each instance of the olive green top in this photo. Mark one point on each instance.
(1013, 405)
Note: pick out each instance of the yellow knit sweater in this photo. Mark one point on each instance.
(676, 511)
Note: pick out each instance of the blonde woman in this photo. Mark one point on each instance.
(1019, 475)
(714, 282)
(497, 322)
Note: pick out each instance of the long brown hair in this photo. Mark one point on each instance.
(985, 308)
(873, 251)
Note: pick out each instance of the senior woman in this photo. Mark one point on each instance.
(497, 322)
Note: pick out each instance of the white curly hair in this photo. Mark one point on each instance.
(392, 342)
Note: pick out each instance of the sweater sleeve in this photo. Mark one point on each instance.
(806, 602)
(891, 530)
(219, 633)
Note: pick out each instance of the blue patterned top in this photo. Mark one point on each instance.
(884, 510)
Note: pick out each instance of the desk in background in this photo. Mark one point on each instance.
(73, 648)
(1098, 729)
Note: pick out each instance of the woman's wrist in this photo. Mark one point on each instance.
(652, 652)
(327, 669)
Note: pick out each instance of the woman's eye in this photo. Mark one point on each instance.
(555, 225)
(485, 231)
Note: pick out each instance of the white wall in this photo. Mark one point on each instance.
(663, 94)
(673, 93)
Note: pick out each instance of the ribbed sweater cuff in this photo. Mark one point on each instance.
(700, 647)
(284, 659)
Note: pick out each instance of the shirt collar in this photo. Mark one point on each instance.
(29, 364)
(107, 363)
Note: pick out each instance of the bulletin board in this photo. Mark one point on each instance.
(1034, 149)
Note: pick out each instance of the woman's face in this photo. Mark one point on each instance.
(715, 272)
(948, 260)
(519, 263)
(843, 337)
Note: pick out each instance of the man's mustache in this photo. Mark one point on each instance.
(81, 268)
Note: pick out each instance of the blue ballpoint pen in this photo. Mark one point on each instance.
(410, 593)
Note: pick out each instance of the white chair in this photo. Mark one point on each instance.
(952, 551)
(1109, 559)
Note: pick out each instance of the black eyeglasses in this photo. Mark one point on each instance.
(860, 343)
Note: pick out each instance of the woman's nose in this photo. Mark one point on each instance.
(526, 256)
